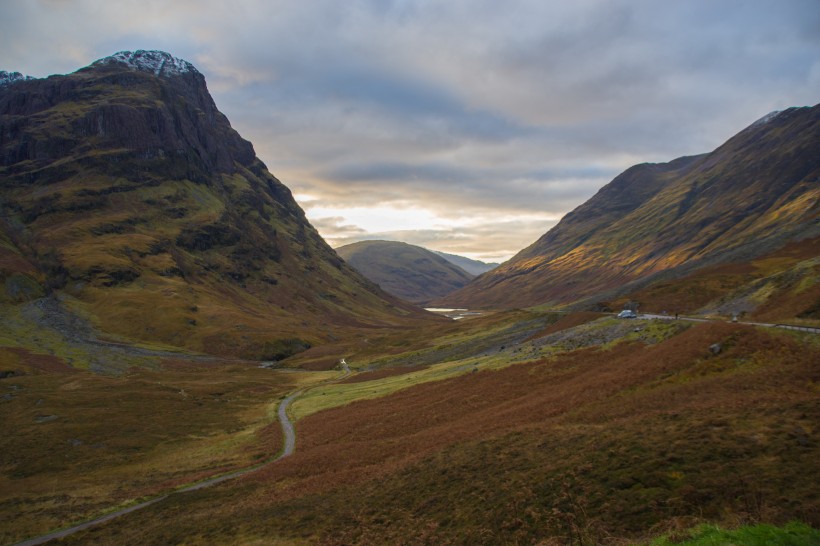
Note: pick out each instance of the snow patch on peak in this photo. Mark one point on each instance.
(7, 78)
(766, 119)
(158, 63)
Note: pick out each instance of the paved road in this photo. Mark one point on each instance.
(670, 317)
(287, 427)
(763, 324)
(71, 530)
(289, 447)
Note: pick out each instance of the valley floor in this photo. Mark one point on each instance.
(511, 428)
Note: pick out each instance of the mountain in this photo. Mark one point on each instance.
(473, 267)
(7, 78)
(407, 271)
(659, 222)
(128, 198)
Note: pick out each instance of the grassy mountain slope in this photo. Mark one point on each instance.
(631, 435)
(407, 271)
(774, 287)
(746, 199)
(129, 197)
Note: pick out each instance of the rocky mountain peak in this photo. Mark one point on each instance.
(767, 118)
(158, 63)
(125, 107)
(7, 78)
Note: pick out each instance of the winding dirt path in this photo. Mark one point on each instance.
(289, 446)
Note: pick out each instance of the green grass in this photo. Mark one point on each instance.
(332, 396)
(491, 348)
(18, 331)
(791, 534)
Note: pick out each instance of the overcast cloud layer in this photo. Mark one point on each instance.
(469, 127)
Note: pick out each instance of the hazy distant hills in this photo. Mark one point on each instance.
(657, 222)
(473, 267)
(127, 194)
(410, 272)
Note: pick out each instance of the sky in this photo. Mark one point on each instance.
(469, 127)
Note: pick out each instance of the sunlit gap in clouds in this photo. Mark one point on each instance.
(381, 218)
(490, 236)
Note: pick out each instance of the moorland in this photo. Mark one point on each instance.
(166, 309)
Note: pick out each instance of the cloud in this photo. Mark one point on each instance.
(466, 110)
(337, 229)
(482, 242)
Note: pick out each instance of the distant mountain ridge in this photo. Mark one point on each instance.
(128, 196)
(407, 271)
(749, 197)
(474, 267)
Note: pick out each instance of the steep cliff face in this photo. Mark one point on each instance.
(756, 193)
(126, 193)
(122, 105)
